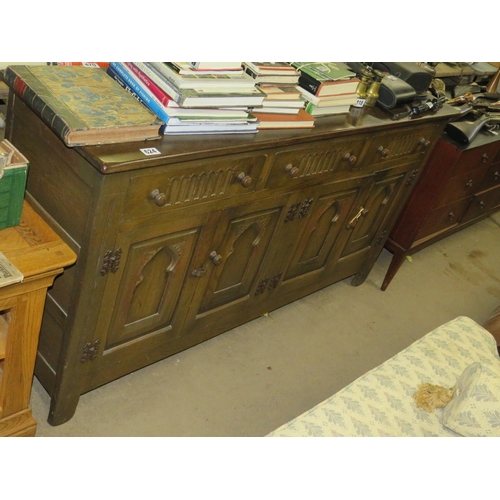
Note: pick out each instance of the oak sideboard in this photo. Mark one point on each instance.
(213, 231)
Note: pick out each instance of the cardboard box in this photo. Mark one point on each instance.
(13, 172)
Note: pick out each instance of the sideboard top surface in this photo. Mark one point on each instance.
(112, 158)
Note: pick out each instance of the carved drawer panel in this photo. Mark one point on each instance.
(460, 186)
(401, 144)
(320, 161)
(197, 182)
(480, 157)
(443, 218)
(483, 203)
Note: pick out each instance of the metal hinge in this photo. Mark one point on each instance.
(111, 261)
(90, 351)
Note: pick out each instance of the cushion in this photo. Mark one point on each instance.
(474, 409)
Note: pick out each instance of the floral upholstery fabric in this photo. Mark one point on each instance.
(380, 403)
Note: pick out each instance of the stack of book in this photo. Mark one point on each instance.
(193, 98)
(283, 106)
(328, 87)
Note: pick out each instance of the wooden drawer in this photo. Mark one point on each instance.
(187, 184)
(443, 218)
(397, 145)
(316, 162)
(460, 186)
(482, 204)
(479, 157)
(491, 178)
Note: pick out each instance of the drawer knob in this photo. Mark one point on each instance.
(351, 159)
(451, 216)
(496, 176)
(159, 198)
(424, 142)
(244, 180)
(484, 158)
(481, 205)
(469, 184)
(384, 152)
(215, 258)
(291, 170)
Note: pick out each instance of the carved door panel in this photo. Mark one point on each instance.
(148, 296)
(365, 220)
(235, 265)
(317, 225)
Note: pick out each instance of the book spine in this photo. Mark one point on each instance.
(141, 92)
(37, 104)
(167, 73)
(113, 74)
(158, 78)
(160, 94)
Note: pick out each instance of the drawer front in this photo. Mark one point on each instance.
(402, 144)
(480, 157)
(482, 204)
(443, 218)
(491, 178)
(316, 162)
(460, 186)
(180, 186)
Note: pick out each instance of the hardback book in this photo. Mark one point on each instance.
(113, 74)
(318, 77)
(211, 128)
(273, 78)
(186, 68)
(327, 110)
(82, 106)
(275, 68)
(86, 64)
(269, 109)
(215, 65)
(274, 121)
(147, 97)
(202, 98)
(280, 92)
(216, 82)
(336, 100)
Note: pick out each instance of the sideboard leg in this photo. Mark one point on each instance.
(396, 262)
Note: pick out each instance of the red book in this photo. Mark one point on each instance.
(159, 93)
(275, 120)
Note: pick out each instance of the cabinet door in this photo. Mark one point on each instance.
(233, 273)
(315, 225)
(146, 297)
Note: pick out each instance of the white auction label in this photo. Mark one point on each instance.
(150, 151)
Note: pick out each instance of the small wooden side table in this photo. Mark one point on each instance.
(36, 250)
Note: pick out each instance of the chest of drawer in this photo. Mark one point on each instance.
(397, 145)
(491, 178)
(185, 185)
(480, 157)
(443, 218)
(483, 203)
(316, 162)
(460, 186)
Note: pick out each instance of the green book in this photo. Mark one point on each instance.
(81, 105)
(325, 71)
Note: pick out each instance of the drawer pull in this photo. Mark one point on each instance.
(351, 159)
(469, 184)
(291, 170)
(484, 158)
(424, 142)
(481, 205)
(215, 258)
(451, 216)
(244, 180)
(384, 152)
(496, 176)
(159, 198)
(362, 212)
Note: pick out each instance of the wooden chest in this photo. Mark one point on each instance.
(210, 233)
(459, 186)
